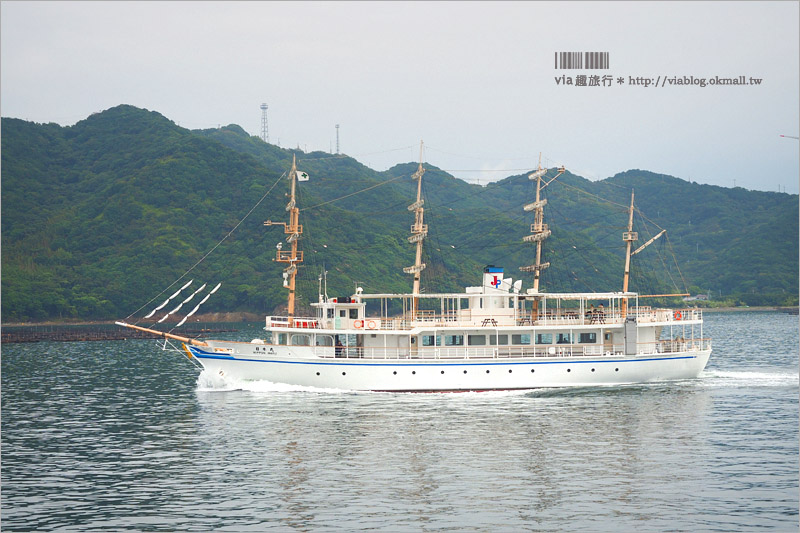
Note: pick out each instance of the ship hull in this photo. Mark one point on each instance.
(436, 375)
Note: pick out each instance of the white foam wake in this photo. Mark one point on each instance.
(209, 381)
(720, 378)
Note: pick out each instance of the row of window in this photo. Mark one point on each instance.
(458, 340)
(518, 339)
(344, 313)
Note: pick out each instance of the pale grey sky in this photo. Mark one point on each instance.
(475, 81)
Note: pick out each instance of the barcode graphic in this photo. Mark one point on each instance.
(581, 60)
(569, 60)
(596, 60)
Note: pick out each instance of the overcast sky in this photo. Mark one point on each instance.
(475, 81)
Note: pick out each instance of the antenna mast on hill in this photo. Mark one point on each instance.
(337, 139)
(264, 124)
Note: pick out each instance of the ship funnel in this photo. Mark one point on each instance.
(492, 277)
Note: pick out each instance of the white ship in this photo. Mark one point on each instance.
(495, 336)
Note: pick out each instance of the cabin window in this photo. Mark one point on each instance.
(454, 340)
(588, 338)
(330, 313)
(354, 313)
(521, 339)
(494, 340)
(563, 338)
(428, 340)
(343, 313)
(324, 340)
(282, 339)
(477, 340)
(544, 338)
(301, 340)
(607, 336)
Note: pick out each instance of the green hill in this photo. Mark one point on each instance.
(100, 217)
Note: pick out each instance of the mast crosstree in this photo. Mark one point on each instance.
(418, 231)
(539, 230)
(293, 229)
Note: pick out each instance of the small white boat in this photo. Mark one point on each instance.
(495, 336)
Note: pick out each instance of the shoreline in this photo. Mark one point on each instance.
(204, 318)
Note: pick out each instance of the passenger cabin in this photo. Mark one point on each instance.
(496, 319)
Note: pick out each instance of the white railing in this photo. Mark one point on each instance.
(667, 315)
(297, 322)
(511, 352)
(467, 319)
(573, 318)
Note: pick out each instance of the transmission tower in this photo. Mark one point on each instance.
(337, 139)
(264, 124)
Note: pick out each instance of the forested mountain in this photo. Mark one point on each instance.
(100, 217)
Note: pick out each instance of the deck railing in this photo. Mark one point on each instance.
(467, 319)
(510, 352)
(297, 322)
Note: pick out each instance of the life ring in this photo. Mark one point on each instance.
(371, 324)
(358, 324)
(677, 315)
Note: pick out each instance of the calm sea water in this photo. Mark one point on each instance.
(122, 436)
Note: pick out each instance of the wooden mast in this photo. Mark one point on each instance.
(418, 233)
(539, 230)
(629, 237)
(293, 229)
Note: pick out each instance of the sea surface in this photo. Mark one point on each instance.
(119, 435)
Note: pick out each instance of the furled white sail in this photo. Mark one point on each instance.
(168, 300)
(187, 300)
(193, 311)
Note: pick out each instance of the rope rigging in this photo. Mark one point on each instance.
(472, 238)
(208, 252)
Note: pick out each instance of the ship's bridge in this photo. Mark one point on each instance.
(344, 312)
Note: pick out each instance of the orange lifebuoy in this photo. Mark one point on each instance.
(371, 324)
(677, 315)
(358, 324)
